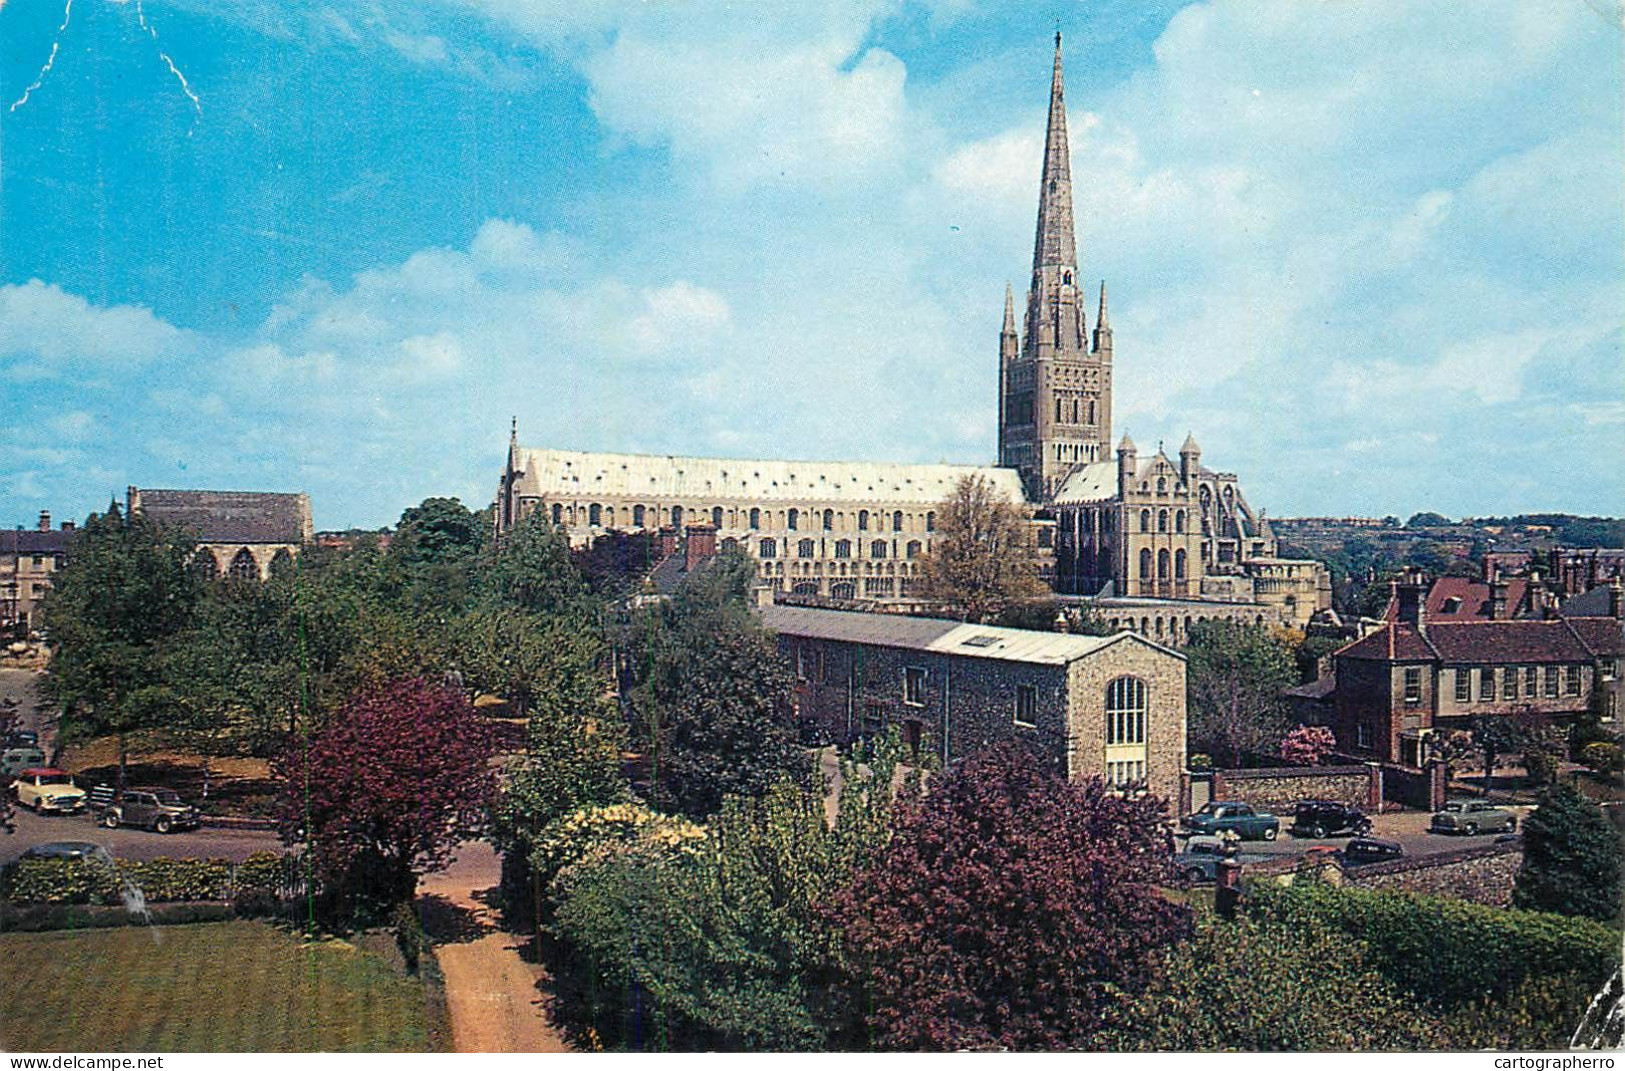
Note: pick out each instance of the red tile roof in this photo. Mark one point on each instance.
(1391, 643)
(1472, 599)
(1493, 642)
(1604, 635)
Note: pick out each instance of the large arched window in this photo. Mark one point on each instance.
(914, 548)
(1126, 715)
(1179, 565)
(1162, 565)
(897, 521)
(755, 518)
(877, 548)
(793, 519)
(767, 548)
(804, 549)
(843, 548)
(1162, 520)
(205, 565)
(595, 515)
(1145, 520)
(1145, 564)
(282, 562)
(243, 566)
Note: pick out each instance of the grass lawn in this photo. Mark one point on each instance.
(207, 987)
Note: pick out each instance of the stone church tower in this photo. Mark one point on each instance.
(1055, 383)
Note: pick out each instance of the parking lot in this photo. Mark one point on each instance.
(1409, 828)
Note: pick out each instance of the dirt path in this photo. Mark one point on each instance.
(493, 996)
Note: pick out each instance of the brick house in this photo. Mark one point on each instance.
(28, 560)
(1100, 706)
(1415, 675)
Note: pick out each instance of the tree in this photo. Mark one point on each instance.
(1234, 678)
(1495, 735)
(1571, 859)
(983, 557)
(1428, 520)
(121, 600)
(384, 790)
(1308, 745)
(437, 531)
(1007, 909)
(530, 568)
(1263, 986)
(1455, 749)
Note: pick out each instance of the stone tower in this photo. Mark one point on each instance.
(1055, 388)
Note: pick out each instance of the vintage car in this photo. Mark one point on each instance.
(1327, 818)
(158, 809)
(1199, 861)
(66, 849)
(1370, 850)
(1471, 817)
(48, 791)
(1219, 816)
(14, 760)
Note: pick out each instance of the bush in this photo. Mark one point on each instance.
(594, 831)
(76, 881)
(409, 936)
(1199, 761)
(1603, 757)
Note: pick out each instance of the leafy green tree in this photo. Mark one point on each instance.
(124, 597)
(1234, 678)
(437, 531)
(983, 558)
(1428, 520)
(1571, 859)
(1455, 749)
(1259, 985)
(1495, 736)
(530, 568)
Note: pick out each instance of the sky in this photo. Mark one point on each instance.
(1370, 253)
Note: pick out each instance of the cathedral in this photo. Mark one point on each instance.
(1154, 542)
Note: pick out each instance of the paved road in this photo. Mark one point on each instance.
(33, 712)
(1409, 828)
(233, 844)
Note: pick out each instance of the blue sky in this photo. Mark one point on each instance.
(1370, 253)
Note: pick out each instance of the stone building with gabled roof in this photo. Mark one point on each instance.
(241, 534)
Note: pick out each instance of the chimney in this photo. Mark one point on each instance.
(668, 542)
(68, 526)
(45, 520)
(1411, 595)
(1616, 599)
(700, 543)
(1498, 599)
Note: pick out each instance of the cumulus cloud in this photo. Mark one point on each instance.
(43, 326)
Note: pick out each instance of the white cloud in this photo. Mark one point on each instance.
(50, 327)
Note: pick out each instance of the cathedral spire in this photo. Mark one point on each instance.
(1054, 245)
(1101, 323)
(1009, 310)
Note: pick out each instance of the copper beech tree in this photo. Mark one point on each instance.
(384, 790)
(1008, 910)
(983, 558)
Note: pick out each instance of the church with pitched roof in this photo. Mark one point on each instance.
(1146, 537)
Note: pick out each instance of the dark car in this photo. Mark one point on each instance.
(1199, 862)
(1219, 816)
(1371, 850)
(64, 849)
(158, 809)
(22, 738)
(1328, 818)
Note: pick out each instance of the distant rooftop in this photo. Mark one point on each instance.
(229, 516)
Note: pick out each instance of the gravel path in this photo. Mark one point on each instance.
(496, 1000)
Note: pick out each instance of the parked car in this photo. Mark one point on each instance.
(1199, 861)
(1471, 817)
(1239, 818)
(22, 738)
(158, 809)
(1327, 818)
(1370, 850)
(65, 849)
(14, 760)
(48, 790)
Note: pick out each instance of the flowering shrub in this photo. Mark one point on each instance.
(593, 832)
(1308, 745)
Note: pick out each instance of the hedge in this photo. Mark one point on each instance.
(1450, 953)
(78, 881)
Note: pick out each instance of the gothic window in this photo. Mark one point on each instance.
(677, 517)
(913, 548)
(755, 518)
(767, 548)
(804, 549)
(1162, 520)
(730, 543)
(795, 517)
(243, 567)
(1126, 715)
(877, 549)
(1179, 565)
(1162, 486)
(1145, 565)
(1057, 410)
(1179, 521)
(930, 522)
(281, 562)
(609, 516)
(897, 521)
(558, 513)
(1074, 410)
(595, 515)
(1091, 412)
(846, 589)
(863, 520)
(1162, 565)
(637, 516)
(716, 516)
(204, 565)
(1145, 520)
(843, 548)
(829, 520)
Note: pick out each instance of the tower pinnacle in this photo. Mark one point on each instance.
(1054, 245)
(1009, 310)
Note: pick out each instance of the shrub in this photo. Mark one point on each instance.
(1200, 761)
(1603, 757)
(1572, 858)
(76, 881)
(607, 830)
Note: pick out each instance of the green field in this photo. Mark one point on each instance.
(207, 987)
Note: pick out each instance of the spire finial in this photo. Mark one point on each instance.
(1100, 320)
(513, 427)
(1009, 309)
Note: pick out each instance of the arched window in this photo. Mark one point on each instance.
(1162, 520)
(804, 549)
(1125, 711)
(1057, 410)
(1145, 564)
(767, 548)
(1179, 521)
(930, 522)
(609, 516)
(793, 519)
(637, 516)
(595, 515)
(730, 543)
(755, 518)
(205, 565)
(1162, 486)
(863, 520)
(558, 513)
(897, 521)
(914, 548)
(846, 589)
(281, 562)
(243, 566)
(829, 520)
(1145, 520)
(716, 516)
(677, 517)
(1162, 565)
(843, 548)
(877, 549)
(1179, 565)
(1091, 411)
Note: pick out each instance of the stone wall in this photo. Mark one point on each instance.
(1422, 789)
(1278, 788)
(1482, 874)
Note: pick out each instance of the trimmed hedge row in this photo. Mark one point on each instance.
(78, 881)
(1446, 952)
